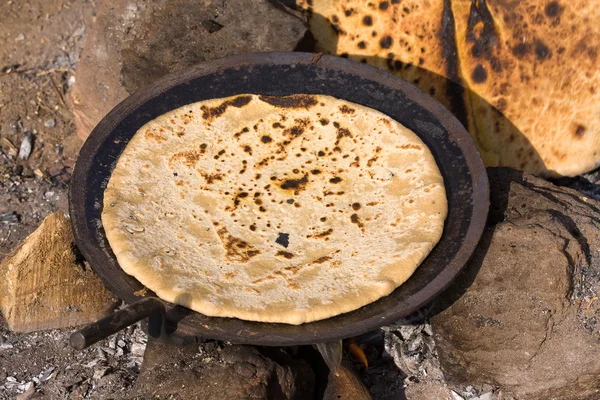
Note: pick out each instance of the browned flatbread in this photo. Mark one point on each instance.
(276, 209)
(530, 68)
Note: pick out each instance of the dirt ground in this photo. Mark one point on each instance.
(40, 43)
(46, 362)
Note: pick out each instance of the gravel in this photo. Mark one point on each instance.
(45, 362)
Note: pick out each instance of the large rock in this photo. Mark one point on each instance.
(97, 86)
(134, 42)
(525, 313)
(44, 284)
(428, 391)
(221, 372)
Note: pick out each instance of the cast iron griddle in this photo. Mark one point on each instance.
(285, 74)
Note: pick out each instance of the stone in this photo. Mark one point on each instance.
(226, 28)
(524, 314)
(230, 372)
(133, 43)
(97, 87)
(50, 123)
(430, 390)
(344, 384)
(44, 284)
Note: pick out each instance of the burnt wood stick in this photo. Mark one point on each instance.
(148, 307)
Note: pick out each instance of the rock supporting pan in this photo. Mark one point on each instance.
(285, 74)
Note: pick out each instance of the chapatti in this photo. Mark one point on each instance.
(276, 209)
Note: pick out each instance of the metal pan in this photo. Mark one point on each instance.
(284, 74)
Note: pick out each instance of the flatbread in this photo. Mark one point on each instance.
(530, 69)
(274, 209)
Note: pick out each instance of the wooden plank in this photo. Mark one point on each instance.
(44, 285)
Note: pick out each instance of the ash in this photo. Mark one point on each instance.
(588, 184)
(411, 346)
(42, 364)
(408, 360)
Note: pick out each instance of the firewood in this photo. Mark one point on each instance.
(45, 285)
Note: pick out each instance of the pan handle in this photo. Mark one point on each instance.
(147, 307)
